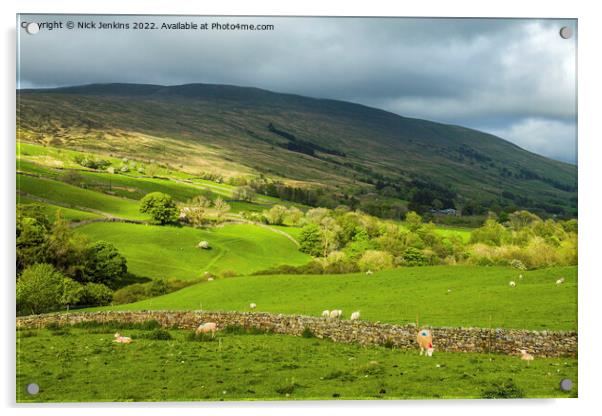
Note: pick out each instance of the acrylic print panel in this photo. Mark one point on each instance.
(295, 208)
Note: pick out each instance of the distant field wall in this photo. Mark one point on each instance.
(482, 340)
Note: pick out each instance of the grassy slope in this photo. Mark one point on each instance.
(157, 252)
(480, 296)
(68, 214)
(73, 196)
(224, 129)
(88, 366)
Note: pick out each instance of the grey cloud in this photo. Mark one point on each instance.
(486, 73)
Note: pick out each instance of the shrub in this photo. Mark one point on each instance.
(307, 333)
(159, 335)
(276, 214)
(311, 240)
(228, 273)
(414, 257)
(503, 390)
(91, 162)
(39, 289)
(161, 207)
(244, 193)
(104, 264)
(96, 294)
(375, 260)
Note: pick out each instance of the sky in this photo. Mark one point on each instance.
(515, 78)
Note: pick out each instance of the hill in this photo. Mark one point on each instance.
(364, 156)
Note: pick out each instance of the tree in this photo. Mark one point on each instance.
(413, 221)
(72, 293)
(104, 264)
(195, 212)
(39, 289)
(310, 240)
(294, 215)
(375, 260)
(152, 170)
(221, 207)
(276, 214)
(161, 207)
(244, 193)
(96, 294)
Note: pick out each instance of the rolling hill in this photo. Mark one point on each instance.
(303, 142)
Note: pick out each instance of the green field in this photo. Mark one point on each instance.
(74, 197)
(68, 214)
(480, 296)
(158, 252)
(84, 365)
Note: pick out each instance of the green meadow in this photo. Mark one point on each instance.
(85, 365)
(438, 296)
(239, 248)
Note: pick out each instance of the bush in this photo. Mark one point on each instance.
(39, 289)
(104, 264)
(161, 207)
(159, 335)
(276, 215)
(96, 294)
(311, 240)
(414, 257)
(375, 260)
(503, 390)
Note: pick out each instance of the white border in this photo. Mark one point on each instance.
(590, 204)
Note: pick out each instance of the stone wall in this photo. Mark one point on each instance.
(505, 341)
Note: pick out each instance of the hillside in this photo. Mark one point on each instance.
(361, 153)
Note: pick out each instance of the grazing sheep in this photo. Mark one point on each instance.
(448, 290)
(355, 316)
(512, 283)
(325, 313)
(252, 306)
(122, 340)
(520, 277)
(336, 314)
(525, 356)
(369, 272)
(204, 245)
(425, 342)
(210, 279)
(560, 281)
(207, 328)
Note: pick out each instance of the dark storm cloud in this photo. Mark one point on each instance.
(514, 78)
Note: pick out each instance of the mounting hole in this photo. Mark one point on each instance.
(33, 389)
(32, 28)
(566, 385)
(566, 32)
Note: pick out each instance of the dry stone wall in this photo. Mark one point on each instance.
(504, 341)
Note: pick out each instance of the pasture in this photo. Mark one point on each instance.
(438, 296)
(84, 364)
(172, 252)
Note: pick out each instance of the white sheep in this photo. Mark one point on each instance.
(204, 245)
(369, 272)
(520, 277)
(355, 316)
(206, 328)
(560, 281)
(325, 313)
(252, 305)
(122, 340)
(336, 314)
(512, 283)
(525, 356)
(210, 279)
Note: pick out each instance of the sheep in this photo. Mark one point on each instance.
(204, 245)
(425, 342)
(336, 314)
(206, 328)
(210, 279)
(512, 283)
(560, 281)
(369, 272)
(525, 356)
(325, 313)
(122, 340)
(355, 316)
(520, 277)
(252, 306)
